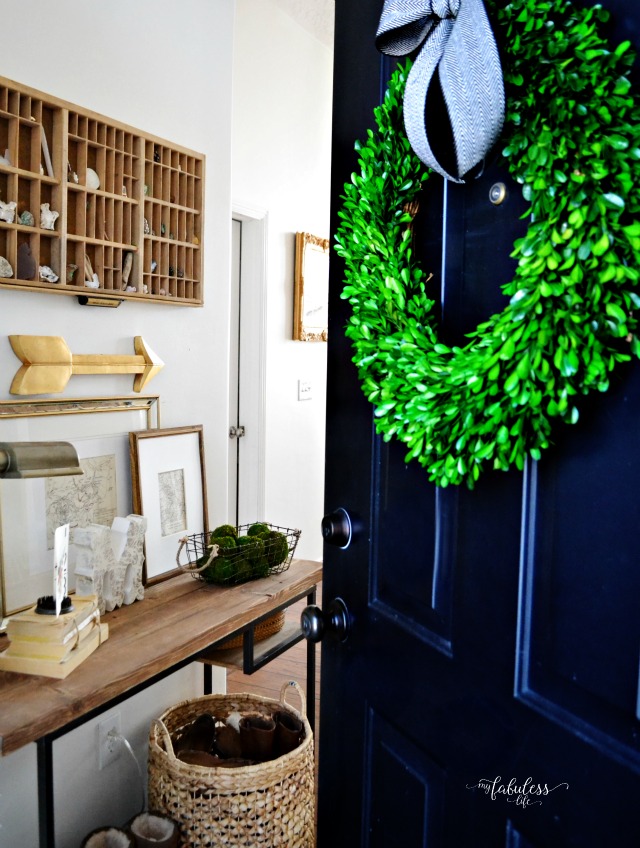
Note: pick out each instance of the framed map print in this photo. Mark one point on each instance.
(32, 509)
(169, 489)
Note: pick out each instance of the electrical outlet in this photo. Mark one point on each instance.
(109, 744)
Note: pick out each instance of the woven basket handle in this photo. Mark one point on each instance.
(191, 569)
(163, 733)
(286, 688)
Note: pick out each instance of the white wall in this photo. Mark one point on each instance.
(167, 69)
(85, 796)
(282, 79)
(117, 789)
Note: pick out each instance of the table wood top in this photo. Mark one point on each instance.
(176, 620)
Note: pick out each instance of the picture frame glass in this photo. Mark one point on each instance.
(31, 509)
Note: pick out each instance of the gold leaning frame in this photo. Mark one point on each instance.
(311, 288)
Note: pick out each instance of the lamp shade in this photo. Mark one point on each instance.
(38, 459)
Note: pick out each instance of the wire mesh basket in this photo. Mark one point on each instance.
(231, 555)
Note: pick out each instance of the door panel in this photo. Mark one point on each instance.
(580, 627)
(478, 240)
(416, 590)
(403, 777)
(515, 838)
(495, 632)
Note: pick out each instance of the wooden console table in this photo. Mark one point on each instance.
(178, 621)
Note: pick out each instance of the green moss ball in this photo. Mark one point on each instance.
(224, 530)
(221, 570)
(256, 551)
(223, 542)
(257, 529)
(276, 547)
(261, 567)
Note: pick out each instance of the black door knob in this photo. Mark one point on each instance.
(315, 623)
(337, 528)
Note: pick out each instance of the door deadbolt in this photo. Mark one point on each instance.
(498, 193)
(316, 624)
(337, 528)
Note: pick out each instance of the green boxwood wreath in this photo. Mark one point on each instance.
(572, 140)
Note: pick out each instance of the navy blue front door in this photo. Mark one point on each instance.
(487, 693)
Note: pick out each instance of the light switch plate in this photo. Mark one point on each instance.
(304, 390)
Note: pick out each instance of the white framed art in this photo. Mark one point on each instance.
(169, 490)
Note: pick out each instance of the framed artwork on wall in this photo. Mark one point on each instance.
(31, 509)
(311, 289)
(169, 489)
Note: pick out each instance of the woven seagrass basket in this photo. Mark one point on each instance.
(269, 627)
(257, 806)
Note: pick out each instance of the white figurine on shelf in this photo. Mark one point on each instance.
(48, 217)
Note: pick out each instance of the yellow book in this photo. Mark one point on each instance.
(38, 648)
(50, 628)
(52, 667)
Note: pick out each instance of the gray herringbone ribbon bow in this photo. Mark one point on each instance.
(459, 42)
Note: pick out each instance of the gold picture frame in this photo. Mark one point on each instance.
(30, 507)
(169, 490)
(311, 289)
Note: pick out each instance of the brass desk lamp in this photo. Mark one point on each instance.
(38, 459)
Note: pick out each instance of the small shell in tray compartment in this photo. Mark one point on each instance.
(48, 274)
(26, 263)
(8, 211)
(93, 180)
(5, 267)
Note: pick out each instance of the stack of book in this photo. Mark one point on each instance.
(53, 646)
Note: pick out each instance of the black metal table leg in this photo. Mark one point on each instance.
(251, 663)
(208, 679)
(46, 822)
(311, 673)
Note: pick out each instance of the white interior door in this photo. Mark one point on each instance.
(234, 370)
(247, 368)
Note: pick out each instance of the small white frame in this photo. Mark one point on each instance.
(177, 452)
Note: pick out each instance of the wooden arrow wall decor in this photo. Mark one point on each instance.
(48, 364)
